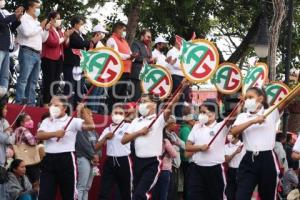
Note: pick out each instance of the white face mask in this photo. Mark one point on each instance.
(251, 105)
(230, 138)
(54, 111)
(102, 35)
(37, 12)
(2, 4)
(117, 119)
(143, 109)
(124, 34)
(57, 23)
(83, 30)
(202, 118)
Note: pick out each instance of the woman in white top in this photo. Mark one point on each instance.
(58, 167)
(117, 167)
(259, 166)
(206, 178)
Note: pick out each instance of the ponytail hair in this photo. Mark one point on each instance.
(260, 92)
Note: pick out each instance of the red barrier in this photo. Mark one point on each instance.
(36, 114)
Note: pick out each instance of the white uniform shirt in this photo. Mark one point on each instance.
(230, 149)
(65, 144)
(174, 69)
(30, 33)
(112, 44)
(149, 145)
(114, 146)
(160, 57)
(202, 134)
(259, 137)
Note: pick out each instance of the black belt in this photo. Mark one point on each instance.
(31, 49)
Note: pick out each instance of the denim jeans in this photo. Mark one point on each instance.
(85, 178)
(30, 64)
(96, 100)
(27, 197)
(3, 193)
(160, 191)
(4, 68)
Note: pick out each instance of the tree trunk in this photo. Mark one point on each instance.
(278, 17)
(133, 19)
(294, 116)
(242, 48)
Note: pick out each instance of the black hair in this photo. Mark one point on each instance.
(65, 101)
(289, 137)
(118, 25)
(260, 92)
(173, 41)
(152, 97)
(76, 20)
(52, 15)
(20, 119)
(15, 164)
(280, 136)
(30, 3)
(2, 106)
(144, 31)
(212, 106)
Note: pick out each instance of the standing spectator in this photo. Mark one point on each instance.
(97, 98)
(177, 74)
(187, 124)
(72, 71)
(280, 152)
(234, 153)
(52, 56)
(58, 167)
(19, 186)
(31, 35)
(289, 149)
(5, 139)
(290, 180)
(87, 158)
(118, 42)
(8, 24)
(161, 189)
(160, 45)
(141, 49)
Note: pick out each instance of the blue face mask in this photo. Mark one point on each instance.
(37, 12)
(195, 117)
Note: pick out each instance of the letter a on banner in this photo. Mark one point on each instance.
(275, 92)
(103, 67)
(156, 79)
(199, 60)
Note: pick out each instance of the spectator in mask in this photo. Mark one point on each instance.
(24, 125)
(72, 71)
(97, 97)
(8, 24)
(160, 45)
(142, 49)
(280, 152)
(31, 35)
(52, 56)
(290, 179)
(118, 42)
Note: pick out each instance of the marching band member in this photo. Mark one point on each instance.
(259, 165)
(234, 152)
(207, 178)
(118, 165)
(148, 143)
(58, 167)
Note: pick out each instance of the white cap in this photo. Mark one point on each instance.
(160, 39)
(99, 28)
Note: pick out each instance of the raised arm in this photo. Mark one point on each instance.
(238, 129)
(128, 137)
(185, 83)
(191, 147)
(43, 135)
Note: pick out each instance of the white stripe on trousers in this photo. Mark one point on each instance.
(278, 171)
(225, 182)
(156, 177)
(131, 175)
(75, 175)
